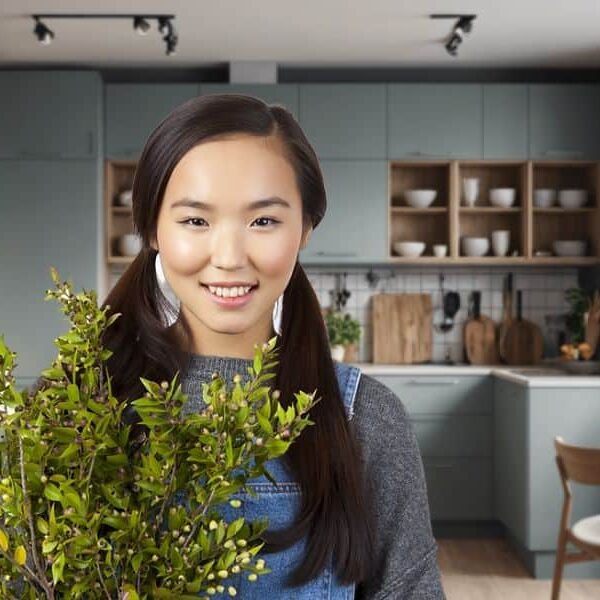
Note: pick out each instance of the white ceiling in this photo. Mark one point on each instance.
(310, 33)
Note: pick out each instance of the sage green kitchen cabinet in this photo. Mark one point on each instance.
(435, 120)
(505, 121)
(271, 93)
(354, 228)
(563, 121)
(527, 489)
(50, 114)
(344, 120)
(451, 416)
(49, 218)
(133, 111)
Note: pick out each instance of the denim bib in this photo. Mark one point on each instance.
(280, 504)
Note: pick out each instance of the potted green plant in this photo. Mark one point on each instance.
(343, 331)
(85, 512)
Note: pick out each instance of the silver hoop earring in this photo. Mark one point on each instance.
(169, 305)
(278, 314)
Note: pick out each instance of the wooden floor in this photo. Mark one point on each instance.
(473, 569)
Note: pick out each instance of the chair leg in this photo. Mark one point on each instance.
(559, 565)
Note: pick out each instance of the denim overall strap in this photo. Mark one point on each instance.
(348, 380)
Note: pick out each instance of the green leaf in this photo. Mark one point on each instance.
(58, 567)
(73, 393)
(52, 493)
(264, 423)
(257, 362)
(42, 526)
(20, 556)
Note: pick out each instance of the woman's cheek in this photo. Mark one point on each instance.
(279, 254)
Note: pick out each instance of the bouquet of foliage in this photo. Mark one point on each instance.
(85, 513)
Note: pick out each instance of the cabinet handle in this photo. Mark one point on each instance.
(433, 381)
(40, 155)
(562, 153)
(322, 253)
(423, 154)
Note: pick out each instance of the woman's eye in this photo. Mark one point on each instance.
(267, 219)
(193, 219)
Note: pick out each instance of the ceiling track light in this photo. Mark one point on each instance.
(140, 25)
(463, 25)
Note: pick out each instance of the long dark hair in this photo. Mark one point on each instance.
(326, 460)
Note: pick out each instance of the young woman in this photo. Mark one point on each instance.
(226, 192)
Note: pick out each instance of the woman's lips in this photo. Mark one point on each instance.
(231, 302)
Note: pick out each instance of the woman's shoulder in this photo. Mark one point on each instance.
(376, 401)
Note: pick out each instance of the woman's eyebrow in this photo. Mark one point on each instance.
(263, 203)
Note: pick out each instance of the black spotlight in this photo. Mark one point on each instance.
(44, 35)
(141, 25)
(464, 25)
(165, 26)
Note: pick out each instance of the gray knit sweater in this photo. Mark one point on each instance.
(407, 551)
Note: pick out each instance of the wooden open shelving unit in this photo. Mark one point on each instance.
(532, 229)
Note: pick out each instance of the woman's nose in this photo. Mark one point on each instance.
(228, 249)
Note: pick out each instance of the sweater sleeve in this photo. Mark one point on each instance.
(406, 550)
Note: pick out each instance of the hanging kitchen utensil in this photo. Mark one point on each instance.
(524, 341)
(450, 305)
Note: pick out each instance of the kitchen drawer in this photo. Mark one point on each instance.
(459, 488)
(442, 394)
(446, 435)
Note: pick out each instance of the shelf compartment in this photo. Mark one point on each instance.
(119, 219)
(504, 174)
(567, 175)
(480, 223)
(431, 228)
(549, 226)
(419, 175)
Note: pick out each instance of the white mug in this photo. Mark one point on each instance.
(440, 250)
(501, 242)
(470, 190)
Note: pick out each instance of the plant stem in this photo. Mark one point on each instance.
(102, 582)
(41, 571)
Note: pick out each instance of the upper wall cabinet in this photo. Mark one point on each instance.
(564, 121)
(48, 220)
(271, 93)
(133, 110)
(354, 229)
(505, 121)
(344, 120)
(50, 114)
(431, 120)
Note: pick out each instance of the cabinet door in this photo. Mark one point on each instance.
(49, 218)
(283, 93)
(431, 120)
(505, 121)
(354, 229)
(133, 110)
(50, 114)
(563, 121)
(344, 120)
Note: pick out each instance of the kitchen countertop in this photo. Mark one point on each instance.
(544, 375)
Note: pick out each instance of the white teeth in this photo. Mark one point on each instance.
(226, 292)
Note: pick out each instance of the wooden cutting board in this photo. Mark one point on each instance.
(402, 328)
(524, 341)
(507, 316)
(479, 336)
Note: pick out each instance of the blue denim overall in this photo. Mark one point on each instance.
(280, 504)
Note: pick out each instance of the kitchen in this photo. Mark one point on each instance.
(461, 177)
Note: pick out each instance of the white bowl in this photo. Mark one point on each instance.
(572, 198)
(411, 249)
(125, 198)
(569, 247)
(544, 198)
(473, 246)
(420, 198)
(502, 197)
(440, 250)
(129, 244)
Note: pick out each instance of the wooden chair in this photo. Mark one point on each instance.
(582, 465)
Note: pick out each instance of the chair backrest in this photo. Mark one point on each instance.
(581, 463)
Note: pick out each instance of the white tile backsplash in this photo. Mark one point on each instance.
(543, 294)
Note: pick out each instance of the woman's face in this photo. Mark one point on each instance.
(208, 232)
